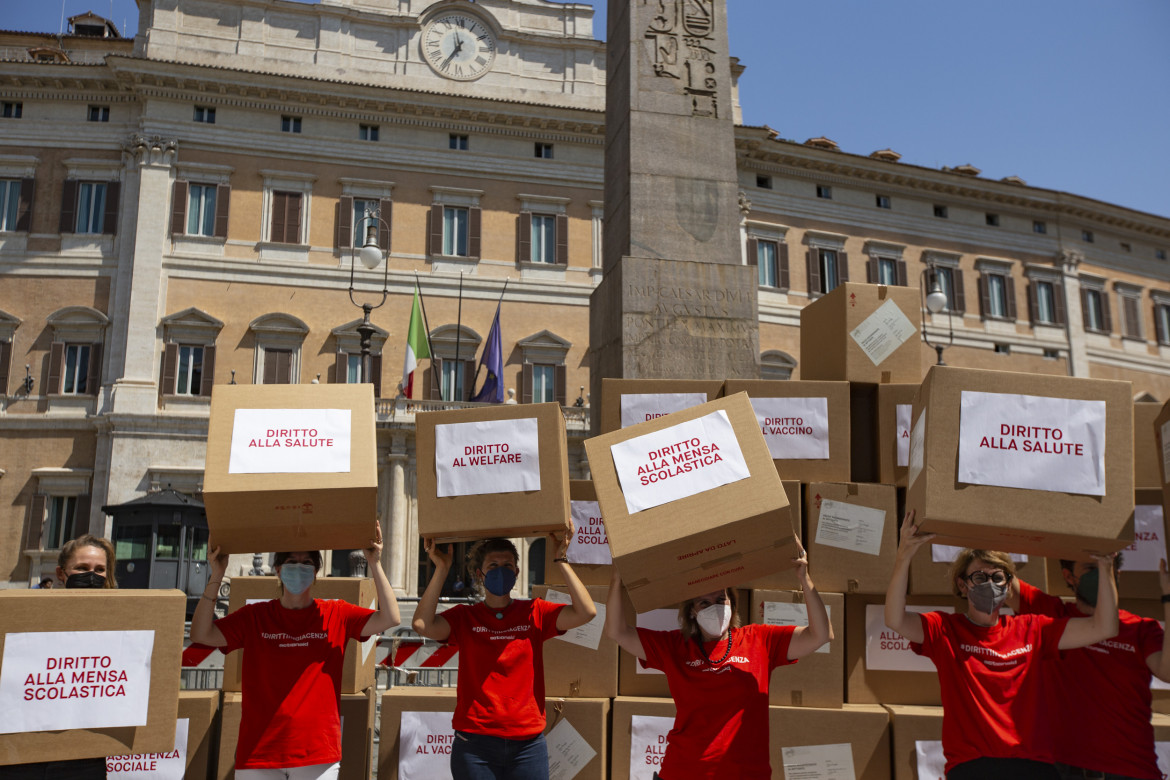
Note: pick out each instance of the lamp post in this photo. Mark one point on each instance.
(370, 256)
(935, 301)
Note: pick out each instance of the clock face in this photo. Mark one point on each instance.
(459, 47)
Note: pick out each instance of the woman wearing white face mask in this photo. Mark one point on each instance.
(718, 673)
(290, 728)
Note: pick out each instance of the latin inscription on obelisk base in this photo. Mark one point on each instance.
(676, 300)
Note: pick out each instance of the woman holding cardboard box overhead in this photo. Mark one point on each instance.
(499, 708)
(989, 665)
(290, 727)
(718, 673)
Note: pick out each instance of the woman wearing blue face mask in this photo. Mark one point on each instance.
(290, 728)
(499, 710)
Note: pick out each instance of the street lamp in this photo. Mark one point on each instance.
(370, 255)
(935, 301)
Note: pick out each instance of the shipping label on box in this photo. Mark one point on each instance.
(779, 613)
(153, 766)
(568, 751)
(648, 743)
(850, 527)
(794, 428)
(425, 740)
(490, 456)
(822, 762)
(881, 334)
(589, 545)
(888, 651)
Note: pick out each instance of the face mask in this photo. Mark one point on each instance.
(85, 579)
(1087, 587)
(297, 577)
(714, 620)
(499, 581)
(987, 597)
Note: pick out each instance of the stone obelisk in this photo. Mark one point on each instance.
(676, 300)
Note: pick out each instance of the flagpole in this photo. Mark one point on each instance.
(458, 331)
(427, 327)
(479, 367)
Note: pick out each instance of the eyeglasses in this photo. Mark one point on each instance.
(982, 578)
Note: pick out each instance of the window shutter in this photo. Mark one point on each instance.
(277, 220)
(1010, 292)
(1058, 301)
(474, 225)
(524, 238)
(469, 367)
(170, 368)
(385, 210)
(526, 384)
(872, 275)
(36, 521)
(270, 367)
(93, 381)
(341, 368)
(433, 379)
(208, 380)
(24, 210)
(82, 522)
(179, 208)
(984, 295)
(1106, 313)
(902, 276)
(1133, 326)
(376, 371)
(110, 223)
(562, 230)
(753, 252)
(292, 225)
(960, 297)
(223, 200)
(68, 222)
(782, 261)
(1159, 331)
(5, 365)
(1084, 308)
(1033, 301)
(56, 358)
(561, 378)
(842, 268)
(435, 244)
(345, 222)
(814, 272)
(284, 367)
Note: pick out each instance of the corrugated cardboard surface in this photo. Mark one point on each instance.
(229, 735)
(588, 573)
(1036, 522)
(719, 538)
(865, 727)
(285, 512)
(532, 513)
(783, 580)
(828, 352)
(612, 391)
(357, 734)
(928, 578)
(837, 570)
(1163, 483)
(908, 725)
(888, 399)
(160, 611)
(863, 686)
(624, 709)
(1141, 584)
(1145, 446)
(201, 709)
(358, 672)
(818, 679)
(836, 466)
(574, 670)
(590, 719)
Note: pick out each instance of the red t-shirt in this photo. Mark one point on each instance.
(500, 691)
(721, 721)
(992, 686)
(1101, 694)
(291, 680)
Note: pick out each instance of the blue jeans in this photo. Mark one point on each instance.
(481, 757)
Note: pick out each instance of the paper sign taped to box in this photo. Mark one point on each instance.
(290, 441)
(1032, 442)
(819, 762)
(794, 428)
(880, 334)
(424, 745)
(47, 685)
(902, 428)
(1149, 539)
(590, 543)
(153, 766)
(781, 613)
(588, 635)
(568, 751)
(677, 462)
(640, 407)
(917, 448)
(850, 526)
(648, 744)
(888, 651)
(493, 456)
(947, 553)
(932, 763)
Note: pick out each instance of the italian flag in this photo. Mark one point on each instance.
(416, 346)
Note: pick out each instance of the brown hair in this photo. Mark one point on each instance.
(990, 557)
(282, 557)
(484, 548)
(690, 627)
(89, 540)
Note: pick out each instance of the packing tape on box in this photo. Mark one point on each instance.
(721, 561)
(638, 583)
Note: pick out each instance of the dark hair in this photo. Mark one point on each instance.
(482, 549)
(690, 626)
(46, 579)
(1070, 565)
(89, 540)
(314, 555)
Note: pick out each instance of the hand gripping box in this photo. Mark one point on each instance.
(806, 425)
(291, 467)
(880, 667)
(692, 503)
(917, 741)
(930, 570)
(492, 471)
(809, 742)
(626, 402)
(358, 672)
(851, 534)
(818, 680)
(589, 548)
(195, 732)
(582, 662)
(88, 673)
(1023, 463)
(862, 333)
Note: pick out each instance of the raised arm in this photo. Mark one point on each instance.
(1082, 632)
(426, 622)
(582, 610)
(1159, 662)
(203, 630)
(898, 618)
(616, 627)
(806, 639)
(387, 616)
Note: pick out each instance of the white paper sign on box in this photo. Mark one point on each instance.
(153, 766)
(888, 651)
(947, 553)
(655, 620)
(818, 762)
(641, 407)
(851, 527)
(1149, 540)
(1032, 442)
(568, 752)
(917, 448)
(1162, 751)
(59, 680)
(493, 456)
(902, 429)
(931, 762)
(424, 746)
(880, 334)
(780, 613)
(290, 441)
(647, 744)
(590, 542)
(794, 428)
(588, 635)
(680, 461)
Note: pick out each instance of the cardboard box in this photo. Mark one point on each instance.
(818, 679)
(1139, 569)
(929, 577)
(798, 418)
(908, 726)
(195, 733)
(863, 440)
(589, 539)
(1161, 443)
(1021, 455)
(590, 719)
(304, 506)
(897, 676)
(229, 735)
(649, 757)
(851, 534)
(1145, 446)
(862, 333)
(858, 729)
(578, 670)
(786, 579)
(720, 537)
(358, 672)
(467, 516)
(357, 734)
(29, 647)
(673, 397)
(894, 407)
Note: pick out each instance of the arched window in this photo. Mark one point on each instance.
(775, 364)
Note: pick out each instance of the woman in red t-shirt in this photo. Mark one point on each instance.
(718, 673)
(989, 665)
(290, 727)
(499, 708)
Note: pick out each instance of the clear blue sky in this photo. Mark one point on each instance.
(1071, 95)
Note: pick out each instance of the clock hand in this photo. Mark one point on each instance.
(458, 44)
